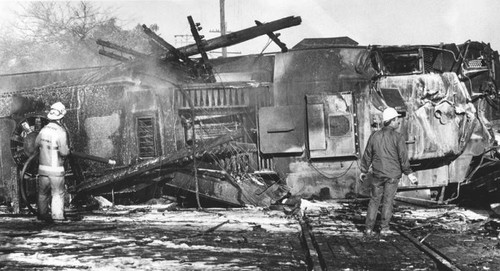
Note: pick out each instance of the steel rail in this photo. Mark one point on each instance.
(444, 264)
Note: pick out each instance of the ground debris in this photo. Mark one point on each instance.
(250, 239)
(119, 210)
(453, 219)
(218, 239)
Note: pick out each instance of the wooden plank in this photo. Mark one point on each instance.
(205, 98)
(121, 49)
(167, 46)
(217, 97)
(197, 95)
(113, 56)
(230, 94)
(237, 94)
(274, 37)
(245, 97)
(210, 98)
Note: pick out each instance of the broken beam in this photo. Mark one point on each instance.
(274, 37)
(113, 56)
(121, 48)
(240, 36)
(159, 162)
(167, 46)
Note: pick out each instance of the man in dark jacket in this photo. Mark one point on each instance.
(387, 154)
(52, 142)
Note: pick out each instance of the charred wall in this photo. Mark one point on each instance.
(8, 167)
(124, 121)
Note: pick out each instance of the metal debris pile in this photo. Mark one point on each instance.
(451, 219)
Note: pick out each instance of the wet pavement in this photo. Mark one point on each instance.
(238, 239)
(322, 236)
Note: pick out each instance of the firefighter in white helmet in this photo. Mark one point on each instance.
(386, 153)
(52, 142)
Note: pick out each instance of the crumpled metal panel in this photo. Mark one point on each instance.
(393, 98)
(440, 118)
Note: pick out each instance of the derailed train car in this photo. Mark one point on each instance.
(303, 117)
(447, 94)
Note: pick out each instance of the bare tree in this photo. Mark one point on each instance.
(58, 20)
(58, 35)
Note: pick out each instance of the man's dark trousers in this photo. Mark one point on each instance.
(381, 188)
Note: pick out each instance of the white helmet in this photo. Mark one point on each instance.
(389, 113)
(57, 111)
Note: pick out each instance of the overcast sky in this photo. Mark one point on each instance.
(384, 22)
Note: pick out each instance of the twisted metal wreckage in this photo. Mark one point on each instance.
(249, 130)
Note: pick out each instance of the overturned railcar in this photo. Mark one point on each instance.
(305, 116)
(447, 94)
(328, 100)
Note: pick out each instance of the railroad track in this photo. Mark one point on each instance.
(336, 242)
(441, 260)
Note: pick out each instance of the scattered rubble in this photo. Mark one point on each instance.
(469, 238)
(297, 235)
(150, 239)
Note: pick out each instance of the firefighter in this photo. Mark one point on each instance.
(52, 142)
(386, 153)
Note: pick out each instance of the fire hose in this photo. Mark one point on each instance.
(82, 155)
(33, 158)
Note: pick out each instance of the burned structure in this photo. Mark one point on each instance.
(248, 130)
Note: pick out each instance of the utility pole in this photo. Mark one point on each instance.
(183, 40)
(223, 24)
